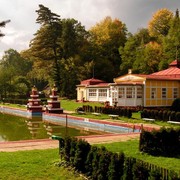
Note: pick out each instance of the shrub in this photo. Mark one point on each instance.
(73, 149)
(177, 116)
(145, 113)
(164, 142)
(67, 148)
(155, 175)
(155, 114)
(173, 116)
(129, 113)
(160, 115)
(129, 162)
(89, 161)
(140, 171)
(164, 115)
(103, 164)
(176, 105)
(116, 166)
(82, 150)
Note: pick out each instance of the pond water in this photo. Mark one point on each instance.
(14, 128)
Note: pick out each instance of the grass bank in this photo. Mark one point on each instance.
(42, 164)
(130, 148)
(36, 164)
(71, 105)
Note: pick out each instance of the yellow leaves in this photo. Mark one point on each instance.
(104, 31)
(160, 22)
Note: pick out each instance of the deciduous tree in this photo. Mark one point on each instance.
(160, 22)
(171, 43)
(106, 37)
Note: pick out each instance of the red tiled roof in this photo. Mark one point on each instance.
(160, 77)
(175, 63)
(127, 83)
(92, 81)
(172, 71)
(100, 85)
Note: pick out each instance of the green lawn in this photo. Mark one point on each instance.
(71, 105)
(42, 164)
(36, 164)
(130, 148)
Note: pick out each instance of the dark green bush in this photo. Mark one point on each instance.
(177, 116)
(164, 142)
(172, 116)
(103, 164)
(140, 171)
(116, 166)
(73, 144)
(155, 175)
(128, 169)
(164, 115)
(176, 105)
(67, 148)
(90, 160)
(100, 164)
(80, 156)
(160, 115)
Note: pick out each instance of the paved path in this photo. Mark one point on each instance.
(49, 143)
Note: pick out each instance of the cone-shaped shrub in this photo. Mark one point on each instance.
(128, 170)
(67, 148)
(89, 161)
(74, 142)
(140, 171)
(82, 150)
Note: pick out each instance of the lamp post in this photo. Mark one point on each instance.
(66, 125)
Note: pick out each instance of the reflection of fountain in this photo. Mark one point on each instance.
(53, 104)
(36, 128)
(53, 129)
(33, 105)
(34, 125)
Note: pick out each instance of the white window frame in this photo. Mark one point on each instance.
(130, 92)
(121, 92)
(92, 92)
(102, 93)
(139, 92)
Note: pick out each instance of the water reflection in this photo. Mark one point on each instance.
(14, 128)
(36, 128)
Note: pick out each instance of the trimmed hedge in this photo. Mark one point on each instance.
(163, 142)
(101, 164)
(176, 105)
(163, 115)
(109, 110)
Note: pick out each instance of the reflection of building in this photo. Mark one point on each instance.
(54, 104)
(153, 90)
(34, 126)
(53, 129)
(33, 105)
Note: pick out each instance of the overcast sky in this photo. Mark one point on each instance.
(134, 13)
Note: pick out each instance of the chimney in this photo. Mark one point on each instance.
(129, 71)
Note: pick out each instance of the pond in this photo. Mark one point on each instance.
(14, 128)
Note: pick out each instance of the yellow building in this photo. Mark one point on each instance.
(154, 90)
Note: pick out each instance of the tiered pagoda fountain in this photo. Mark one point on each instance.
(34, 106)
(54, 105)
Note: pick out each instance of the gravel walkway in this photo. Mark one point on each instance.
(49, 143)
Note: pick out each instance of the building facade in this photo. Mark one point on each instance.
(154, 90)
